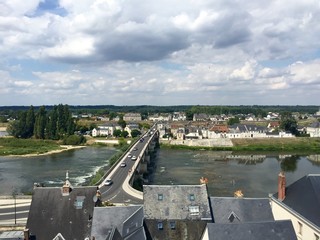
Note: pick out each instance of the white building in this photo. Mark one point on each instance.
(299, 202)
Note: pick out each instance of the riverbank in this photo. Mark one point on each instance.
(63, 148)
(32, 147)
(305, 144)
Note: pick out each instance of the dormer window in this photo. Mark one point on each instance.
(172, 225)
(194, 210)
(160, 197)
(160, 225)
(232, 217)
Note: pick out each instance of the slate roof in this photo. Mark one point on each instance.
(247, 128)
(52, 213)
(118, 223)
(315, 125)
(175, 202)
(275, 230)
(236, 210)
(303, 196)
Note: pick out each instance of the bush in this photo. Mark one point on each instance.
(74, 140)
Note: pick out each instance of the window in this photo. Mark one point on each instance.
(172, 225)
(160, 196)
(316, 237)
(300, 228)
(160, 225)
(191, 197)
(194, 210)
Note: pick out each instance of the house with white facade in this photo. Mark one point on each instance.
(246, 131)
(179, 116)
(132, 117)
(160, 117)
(104, 130)
(314, 129)
(299, 202)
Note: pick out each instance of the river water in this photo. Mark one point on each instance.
(20, 173)
(255, 175)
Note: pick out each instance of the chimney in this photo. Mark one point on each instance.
(67, 187)
(281, 186)
(26, 234)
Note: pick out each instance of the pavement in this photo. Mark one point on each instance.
(14, 211)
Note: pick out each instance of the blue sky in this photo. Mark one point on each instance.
(130, 52)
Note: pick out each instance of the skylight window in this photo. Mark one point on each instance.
(160, 196)
(160, 225)
(192, 197)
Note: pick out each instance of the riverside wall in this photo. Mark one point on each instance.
(216, 142)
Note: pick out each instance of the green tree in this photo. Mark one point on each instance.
(288, 123)
(135, 133)
(124, 134)
(233, 120)
(52, 131)
(30, 121)
(122, 123)
(40, 123)
(117, 133)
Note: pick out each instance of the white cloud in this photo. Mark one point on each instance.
(217, 51)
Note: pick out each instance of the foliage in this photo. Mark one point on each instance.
(135, 133)
(288, 123)
(14, 146)
(234, 120)
(124, 134)
(54, 124)
(144, 125)
(74, 140)
(117, 133)
(122, 123)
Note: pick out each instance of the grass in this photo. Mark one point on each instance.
(14, 146)
(299, 144)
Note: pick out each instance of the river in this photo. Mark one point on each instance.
(256, 175)
(20, 173)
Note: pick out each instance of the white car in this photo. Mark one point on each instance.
(130, 155)
(123, 164)
(134, 158)
(108, 182)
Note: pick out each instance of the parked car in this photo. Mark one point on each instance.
(108, 182)
(123, 164)
(134, 158)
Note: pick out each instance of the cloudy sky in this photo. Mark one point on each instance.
(169, 52)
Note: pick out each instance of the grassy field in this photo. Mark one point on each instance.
(13, 146)
(299, 145)
(279, 144)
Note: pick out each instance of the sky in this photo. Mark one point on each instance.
(169, 52)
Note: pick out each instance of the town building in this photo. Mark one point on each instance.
(299, 202)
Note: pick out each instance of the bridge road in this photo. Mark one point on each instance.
(119, 191)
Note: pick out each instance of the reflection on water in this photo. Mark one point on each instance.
(255, 175)
(20, 173)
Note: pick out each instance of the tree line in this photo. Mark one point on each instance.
(55, 124)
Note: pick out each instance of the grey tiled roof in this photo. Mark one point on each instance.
(235, 210)
(51, 213)
(275, 230)
(128, 221)
(315, 125)
(176, 203)
(303, 196)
